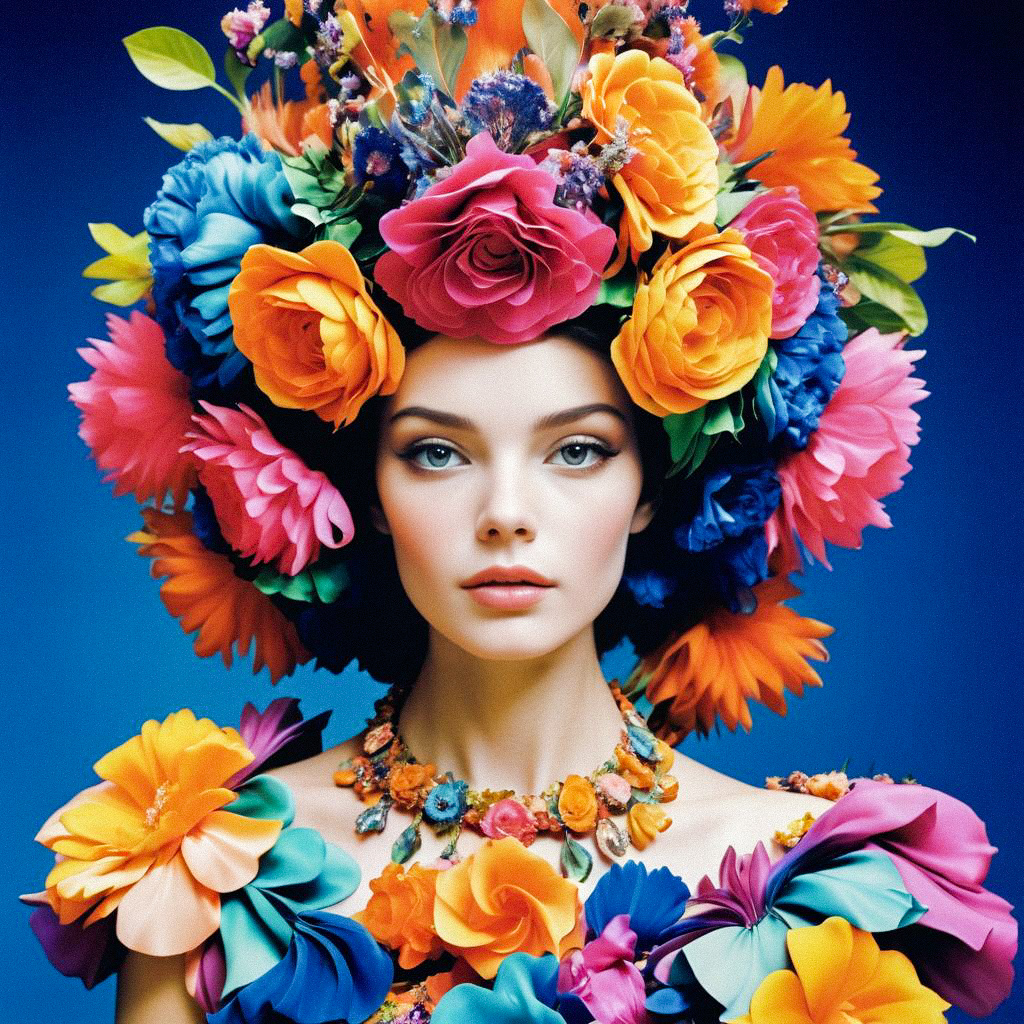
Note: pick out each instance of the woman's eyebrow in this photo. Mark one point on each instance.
(555, 419)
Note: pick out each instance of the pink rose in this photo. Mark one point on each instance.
(782, 234)
(509, 818)
(486, 252)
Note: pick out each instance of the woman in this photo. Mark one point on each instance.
(578, 351)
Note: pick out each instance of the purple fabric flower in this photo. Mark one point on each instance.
(278, 736)
(91, 954)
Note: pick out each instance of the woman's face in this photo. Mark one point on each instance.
(518, 456)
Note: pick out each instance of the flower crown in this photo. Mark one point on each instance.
(495, 170)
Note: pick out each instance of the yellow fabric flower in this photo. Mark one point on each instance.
(715, 667)
(699, 327)
(577, 804)
(502, 899)
(841, 977)
(316, 339)
(153, 843)
(671, 182)
(644, 822)
(803, 128)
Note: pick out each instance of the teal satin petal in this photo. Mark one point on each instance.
(731, 962)
(221, 237)
(523, 987)
(862, 886)
(264, 797)
(255, 936)
(297, 857)
(336, 881)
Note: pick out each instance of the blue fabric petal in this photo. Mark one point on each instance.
(654, 900)
(525, 990)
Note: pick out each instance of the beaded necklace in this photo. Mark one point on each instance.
(633, 782)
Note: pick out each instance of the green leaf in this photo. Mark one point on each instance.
(316, 583)
(437, 46)
(170, 58)
(683, 430)
(867, 314)
(237, 71)
(929, 239)
(180, 136)
(618, 291)
(576, 860)
(904, 259)
(732, 204)
(344, 231)
(885, 288)
(611, 22)
(552, 40)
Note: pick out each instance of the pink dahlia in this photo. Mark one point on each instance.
(270, 506)
(782, 234)
(135, 411)
(487, 253)
(859, 454)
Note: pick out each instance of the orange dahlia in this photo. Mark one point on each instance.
(715, 667)
(803, 129)
(203, 592)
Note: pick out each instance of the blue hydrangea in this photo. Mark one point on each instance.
(810, 367)
(736, 501)
(650, 588)
(509, 106)
(225, 196)
(377, 158)
(736, 567)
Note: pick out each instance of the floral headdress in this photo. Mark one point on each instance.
(496, 170)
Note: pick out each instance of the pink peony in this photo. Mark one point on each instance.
(509, 818)
(486, 252)
(135, 411)
(270, 506)
(605, 977)
(858, 454)
(782, 234)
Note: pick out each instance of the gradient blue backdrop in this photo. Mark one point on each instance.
(923, 675)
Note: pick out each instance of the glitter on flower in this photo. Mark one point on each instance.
(241, 27)
(509, 106)
(803, 128)
(204, 593)
(154, 842)
(400, 913)
(135, 411)
(858, 455)
(270, 506)
(714, 668)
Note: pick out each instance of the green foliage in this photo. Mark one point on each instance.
(552, 41)
(437, 46)
(887, 289)
(237, 71)
(181, 136)
(316, 583)
(576, 860)
(619, 290)
(170, 58)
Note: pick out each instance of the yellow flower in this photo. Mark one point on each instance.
(670, 184)
(126, 267)
(315, 338)
(577, 804)
(803, 128)
(154, 843)
(840, 975)
(699, 327)
(644, 822)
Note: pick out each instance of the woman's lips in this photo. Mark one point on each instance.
(507, 596)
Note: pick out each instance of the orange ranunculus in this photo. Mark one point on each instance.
(803, 128)
(314, 336)
(715, 667)
(633, 770)
(670, 183)
(153, 842)
(400, 914)
(284, 124)
(699, 327)
(203, 592)
(502, 899)
(577, 804)
(764, 6)
(644, 822)
(411, 782)
(840, 974)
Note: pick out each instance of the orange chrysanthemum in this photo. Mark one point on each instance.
(316, 339)
(284, 124)
(706, 73)
(400, 914)
(203, 592)
(803, 129)
(669, 185)
(840, 974)
(502, 899)
(715, 667)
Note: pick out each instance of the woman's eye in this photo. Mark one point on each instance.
(575, 454)
(435, 455)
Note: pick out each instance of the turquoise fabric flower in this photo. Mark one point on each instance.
(446, 802)
(525, 992)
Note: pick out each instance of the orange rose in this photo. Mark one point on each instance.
(410, 782)
(400, 914)
(577, 804)
(700, 325)
(503, 899)
(670, 183)
(315, 338)
(644, 822)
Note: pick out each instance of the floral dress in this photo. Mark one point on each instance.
(877, 913)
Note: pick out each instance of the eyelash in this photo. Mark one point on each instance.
(414, 449)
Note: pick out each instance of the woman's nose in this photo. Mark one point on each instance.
(505, 508)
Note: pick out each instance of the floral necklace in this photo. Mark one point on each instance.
(633, 782)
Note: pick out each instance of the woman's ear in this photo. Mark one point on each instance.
(379, 520)
(643, 515)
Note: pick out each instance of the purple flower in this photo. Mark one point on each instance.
(509, 106)
(278, 736)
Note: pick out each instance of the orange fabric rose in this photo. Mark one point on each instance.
(671, 182)
(315, 338)
(410, 782)
(700, 325)
(577, 804)
(400, 914)
(503, 899)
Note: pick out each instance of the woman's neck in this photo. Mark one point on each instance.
(518, 725)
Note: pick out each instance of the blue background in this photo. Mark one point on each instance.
(923, 676)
